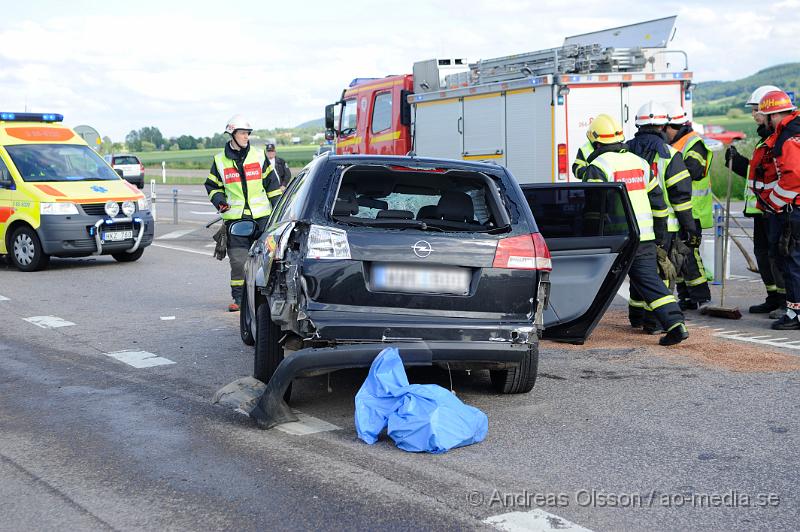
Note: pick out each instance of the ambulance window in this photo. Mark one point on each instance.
(349, 115)
(6, 181)
(59, 162)
(382, 112)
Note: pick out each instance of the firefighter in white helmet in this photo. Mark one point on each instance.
(650, 143)
(692, 283)
(611, 161)
(241, 185)
(758, 172)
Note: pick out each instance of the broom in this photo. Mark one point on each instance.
(731, 313)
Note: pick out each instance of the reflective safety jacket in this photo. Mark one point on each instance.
(697, 158)
(672, 175)
(785, 149)
(624, 167)
(580, 159)
(761, 177)
(245, 181)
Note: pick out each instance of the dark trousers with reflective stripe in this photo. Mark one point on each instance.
(790, 266)
(238, 247)
(648, 287)
(767, 262)
(692, 282)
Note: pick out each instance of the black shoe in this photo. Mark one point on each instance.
(636, 323)
(688, 304)
(652, 328)
(785, 323)
(770, 304)
(675, 336)
(778, 312)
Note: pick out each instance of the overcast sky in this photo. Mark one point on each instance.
(185, 67)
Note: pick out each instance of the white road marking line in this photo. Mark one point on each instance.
(535, 520)
(306, 425)
(175, 234)
(167, 318)
(178, 248)
(3, 298)
(719, 329)
(793, 342)
(210, 245)
(723, 331)
(773, 342)
(624, 290)
(699, 326)
(140, 359)
(209, 213)
(756, 281)
(758, 337)
(48, 322)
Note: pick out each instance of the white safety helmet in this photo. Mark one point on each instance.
(237, 122)
(651, 114)
(676, 115)
(759, 93)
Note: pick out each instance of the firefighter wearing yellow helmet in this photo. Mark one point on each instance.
(610, 161)
(241, 185)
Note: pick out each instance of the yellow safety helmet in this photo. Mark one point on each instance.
(605, 130)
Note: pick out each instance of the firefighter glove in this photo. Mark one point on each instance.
(665, 266)
(693, 240)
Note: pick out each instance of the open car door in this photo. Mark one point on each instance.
(591, 231)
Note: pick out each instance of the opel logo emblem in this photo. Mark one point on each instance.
(422, 249)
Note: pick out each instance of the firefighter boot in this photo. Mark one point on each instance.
(650, 325)
(636, 316)
(787, 322)
(687, 304)
(774, 301)
(778, 312)
(675, 335)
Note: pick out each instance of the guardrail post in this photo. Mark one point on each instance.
(175, 206)
(163, 172)
(719, 238)
(153, 198)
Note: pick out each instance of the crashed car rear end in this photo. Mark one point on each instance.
(439, 258)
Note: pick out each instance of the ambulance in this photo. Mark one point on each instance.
(59, 198)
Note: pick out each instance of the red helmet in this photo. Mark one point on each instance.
(775, 102)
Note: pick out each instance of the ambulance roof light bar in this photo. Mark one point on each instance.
(31, 117)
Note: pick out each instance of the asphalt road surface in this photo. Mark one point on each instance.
(107, 371)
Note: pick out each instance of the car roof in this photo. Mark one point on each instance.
(413, 161)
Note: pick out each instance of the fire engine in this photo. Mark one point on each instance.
(528, 112)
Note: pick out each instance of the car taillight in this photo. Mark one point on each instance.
(524, 252)
(327, 243)
(141, 168)
(562, 161)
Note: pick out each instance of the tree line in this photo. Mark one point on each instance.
(151, 139)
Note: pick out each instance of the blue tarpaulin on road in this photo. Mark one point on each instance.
(418, 417)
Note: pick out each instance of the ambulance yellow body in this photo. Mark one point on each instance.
(59, 198)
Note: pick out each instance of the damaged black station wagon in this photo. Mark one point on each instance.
(442, 259)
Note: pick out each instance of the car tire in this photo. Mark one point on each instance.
(140, 184)
(520, 379)
(128, 257)
(245, 329)
(269, 352)
(26, 251)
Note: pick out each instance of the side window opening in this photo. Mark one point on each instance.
(382, 112)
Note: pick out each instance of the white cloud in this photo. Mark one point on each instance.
(185, 67)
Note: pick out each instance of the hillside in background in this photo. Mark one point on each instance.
(718, 97)
(318, 124)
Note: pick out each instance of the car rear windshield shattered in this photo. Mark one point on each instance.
(435, 199)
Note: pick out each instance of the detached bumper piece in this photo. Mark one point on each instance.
(108, 224)
(272, 410)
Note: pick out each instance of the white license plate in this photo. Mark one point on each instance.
(115, 236)
(421, 279)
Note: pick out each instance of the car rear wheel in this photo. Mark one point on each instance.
(269, 352)
(27, 253)
(128, 257)
(245, 329)
(520, 379)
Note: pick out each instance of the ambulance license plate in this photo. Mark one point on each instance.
(116, 236)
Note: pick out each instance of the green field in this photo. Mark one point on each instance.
(295, 156)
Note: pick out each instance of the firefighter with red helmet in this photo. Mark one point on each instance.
(760, 173)
(241, 185)
(782, 198)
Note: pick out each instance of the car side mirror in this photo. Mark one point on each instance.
(245, 228)
(119, 172)
(329, 117)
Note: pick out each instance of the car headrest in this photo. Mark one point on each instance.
(428, 212)
(346, 204)
(394, 213)
(455, 206)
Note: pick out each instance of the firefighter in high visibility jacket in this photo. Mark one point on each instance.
(580, 159)
(692, 284)
(611, 161)
(782, 198)
(650, 143)
(241, 185)
(758, 172)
